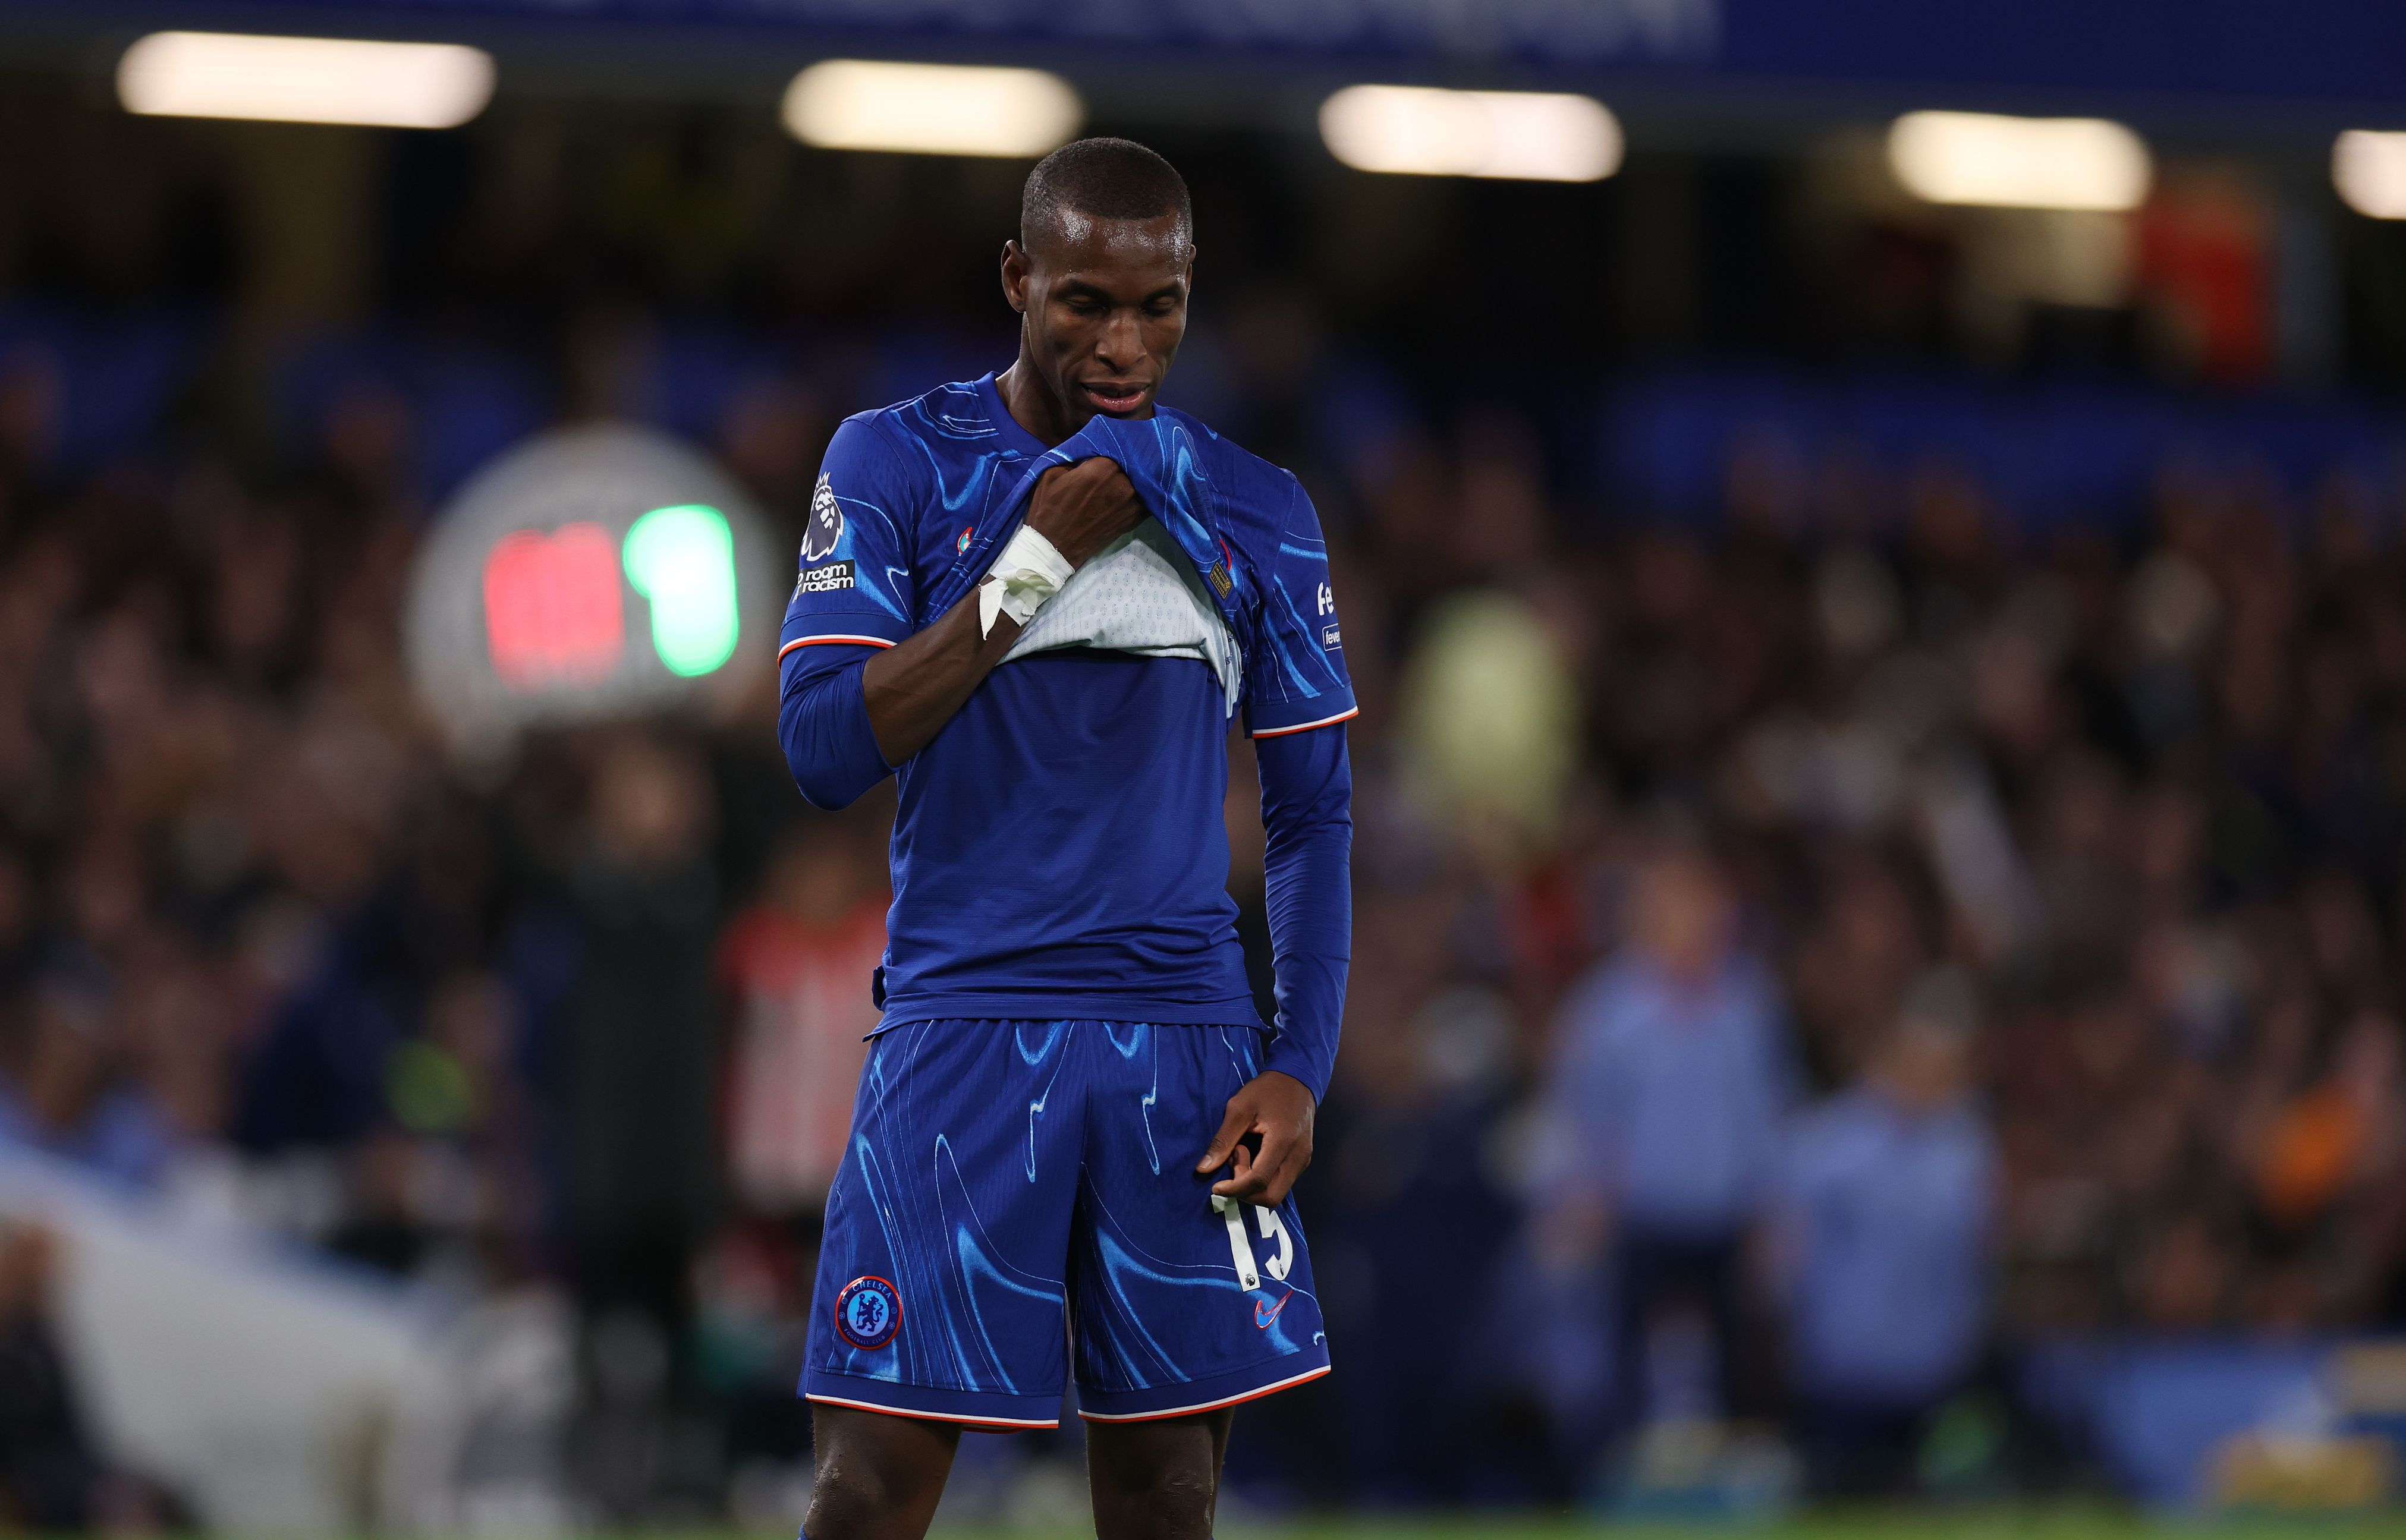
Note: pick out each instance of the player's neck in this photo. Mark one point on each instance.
(1034, 406)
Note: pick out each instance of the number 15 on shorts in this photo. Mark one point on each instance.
(1240, 1247)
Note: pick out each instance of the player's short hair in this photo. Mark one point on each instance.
(1105, 178)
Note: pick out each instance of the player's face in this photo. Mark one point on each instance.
(1105, 307)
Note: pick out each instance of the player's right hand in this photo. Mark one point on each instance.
(1084, 507)
(1278, 1110)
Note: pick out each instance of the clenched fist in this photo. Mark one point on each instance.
(1084, 507)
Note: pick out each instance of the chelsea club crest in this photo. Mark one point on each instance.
(868, 1312)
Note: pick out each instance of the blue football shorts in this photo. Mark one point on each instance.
(1018, 1194)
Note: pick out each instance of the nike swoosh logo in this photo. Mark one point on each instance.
(1264, 1312)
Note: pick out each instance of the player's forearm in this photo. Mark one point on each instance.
(1307, 813)
(913, 688)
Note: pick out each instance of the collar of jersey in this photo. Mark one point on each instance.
(1158, 453)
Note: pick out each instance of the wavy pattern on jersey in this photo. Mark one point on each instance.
(933, 487)
(963, 484)
(883, 585)
(991, 1160)
(968, 485)
(1257, 528)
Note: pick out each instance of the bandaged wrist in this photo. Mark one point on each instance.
(1028, 571)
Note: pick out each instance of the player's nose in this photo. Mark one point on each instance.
(1122, 342)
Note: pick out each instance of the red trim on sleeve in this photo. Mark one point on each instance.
(1306, 726)
(817, 640)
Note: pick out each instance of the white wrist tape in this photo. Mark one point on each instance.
(1028, 572)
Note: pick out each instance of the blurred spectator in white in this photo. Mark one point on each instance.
(797, 966)
(1674, 1075)
(1490, 723)
(1890, 1196)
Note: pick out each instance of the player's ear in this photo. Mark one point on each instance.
(1014, 277)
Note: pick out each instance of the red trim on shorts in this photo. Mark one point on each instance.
(939, 1417)
(1207, 1406)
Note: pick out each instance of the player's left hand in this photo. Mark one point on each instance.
(1279, 1109)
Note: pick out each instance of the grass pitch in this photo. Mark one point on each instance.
(1985, 1524)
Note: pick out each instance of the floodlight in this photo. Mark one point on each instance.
(1425, 131)
(304, 79)
(2368, 169)
(2019, 163)
(930, 110)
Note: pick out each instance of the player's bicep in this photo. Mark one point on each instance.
(853, 584)
(803, 661)
(1295, 680)
(822, 724)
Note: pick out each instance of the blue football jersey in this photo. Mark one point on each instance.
(1059, 850)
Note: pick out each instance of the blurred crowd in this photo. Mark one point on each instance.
(1802, 957)
(1869, 941)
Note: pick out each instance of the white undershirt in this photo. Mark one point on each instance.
(1141, 595)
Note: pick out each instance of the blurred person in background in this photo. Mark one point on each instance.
(66, 1091)
(442, 1188)
(797, 968)
(1887, 1204)
(638, 1057)
(638, 1065)
(1405, 1172)
(1671, 1078)
(2327, 1169)
(52, 1479)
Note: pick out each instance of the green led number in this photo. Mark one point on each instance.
(682, 559)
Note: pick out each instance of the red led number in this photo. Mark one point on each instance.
(552, 607)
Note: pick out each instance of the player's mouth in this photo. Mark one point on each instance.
(1114, 396)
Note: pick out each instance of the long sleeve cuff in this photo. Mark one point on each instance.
(1307, 813)
(822, 721)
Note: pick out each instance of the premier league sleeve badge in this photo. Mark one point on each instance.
(826, 523)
